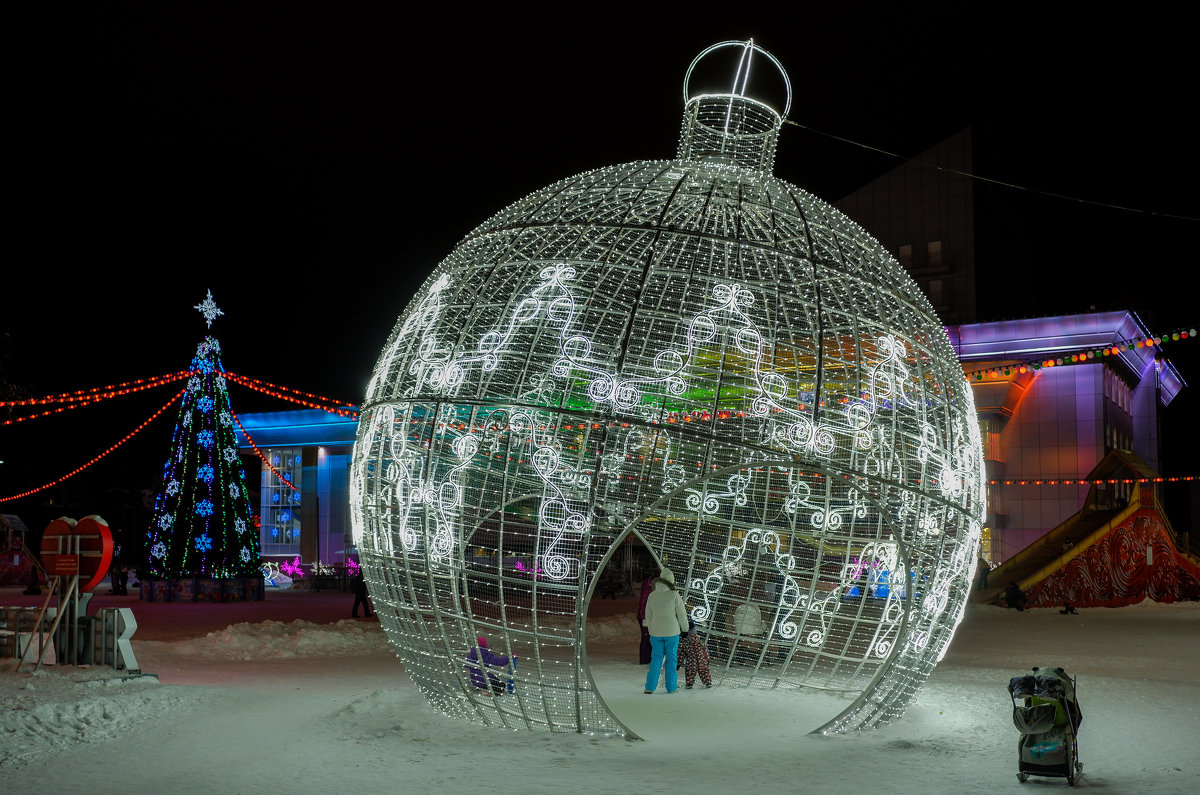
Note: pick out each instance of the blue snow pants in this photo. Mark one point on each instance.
(663, 653)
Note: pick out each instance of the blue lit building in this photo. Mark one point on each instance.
(304, 486)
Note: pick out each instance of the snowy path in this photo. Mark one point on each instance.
(343, 716)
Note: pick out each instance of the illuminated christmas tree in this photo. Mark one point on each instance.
(202, 522)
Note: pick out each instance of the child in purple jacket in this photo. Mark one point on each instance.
(480, 676)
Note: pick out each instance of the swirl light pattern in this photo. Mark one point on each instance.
(701, 355)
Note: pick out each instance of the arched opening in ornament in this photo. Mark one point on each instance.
(795, 581)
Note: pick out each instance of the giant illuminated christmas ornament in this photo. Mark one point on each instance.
(700, 355)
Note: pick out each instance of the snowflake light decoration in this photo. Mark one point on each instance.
(700, 355)
(208, 308)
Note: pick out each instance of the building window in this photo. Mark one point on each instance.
(935, 288)
(934, 249)
(280, 502)
(906, 255)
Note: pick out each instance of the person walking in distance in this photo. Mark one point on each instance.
(358, 586)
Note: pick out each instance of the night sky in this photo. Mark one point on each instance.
(311, 165)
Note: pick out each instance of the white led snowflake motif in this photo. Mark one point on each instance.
(697, 355)
(208, 308)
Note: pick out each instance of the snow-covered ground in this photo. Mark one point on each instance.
(279, 707)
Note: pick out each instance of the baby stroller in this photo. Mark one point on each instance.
(1047, 714)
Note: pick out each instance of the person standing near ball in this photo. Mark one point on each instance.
(644, 646)
(666, 618)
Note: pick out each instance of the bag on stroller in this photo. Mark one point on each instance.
(1046, 712)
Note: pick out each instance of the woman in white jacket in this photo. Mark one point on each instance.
(665, 619)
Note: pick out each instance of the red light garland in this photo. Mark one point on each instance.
(260, 455)
(1085, 482)
(276, 390)
(87, 397)
(1084, 356)
(112, 390)
(79, 469)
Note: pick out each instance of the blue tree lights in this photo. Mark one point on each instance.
(202, 523)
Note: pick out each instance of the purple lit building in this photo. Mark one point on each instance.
(1057, 423)
(1051, 423)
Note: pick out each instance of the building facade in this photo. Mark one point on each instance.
(1037, 422)
(304, 484)
(1044, 423)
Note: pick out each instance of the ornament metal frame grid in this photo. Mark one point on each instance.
(699, 354)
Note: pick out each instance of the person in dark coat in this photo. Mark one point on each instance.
(982, 568)
(479, 661)
(609, 585)
(1015, 597)
(644, 650)
(358, 586)
(33, 586)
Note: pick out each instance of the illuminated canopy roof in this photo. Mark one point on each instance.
(1047, 337)
(304, 428)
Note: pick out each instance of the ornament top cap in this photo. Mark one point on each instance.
(742, 75)
(731, 128)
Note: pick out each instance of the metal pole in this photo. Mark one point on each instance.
(37, 624)
(62, 602)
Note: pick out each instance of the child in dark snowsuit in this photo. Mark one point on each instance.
(1015, 597)
(694, 654)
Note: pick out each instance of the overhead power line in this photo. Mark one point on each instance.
(1002, 183)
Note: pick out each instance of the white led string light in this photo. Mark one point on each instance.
(701, 355)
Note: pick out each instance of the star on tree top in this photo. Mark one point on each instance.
(208, 308)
